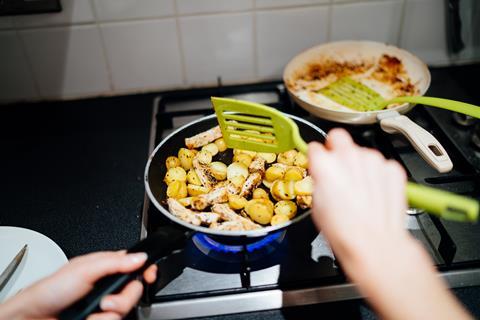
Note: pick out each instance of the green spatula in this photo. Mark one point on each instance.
(252, 126)
(357, 96)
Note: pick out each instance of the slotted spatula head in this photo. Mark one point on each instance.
(253, 126)
(354, 95)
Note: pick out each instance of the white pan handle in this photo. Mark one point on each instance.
(427, 146)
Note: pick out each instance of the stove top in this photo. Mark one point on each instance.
(299, 267)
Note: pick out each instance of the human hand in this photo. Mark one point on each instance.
(359, 198)
(48, 297)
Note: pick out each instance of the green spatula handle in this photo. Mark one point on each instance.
(457, 106)
(442, 203)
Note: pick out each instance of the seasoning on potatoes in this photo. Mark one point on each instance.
(186, 157)
(218, 170)
(236, 202)
(177, 190)
(279, 219)
(243, 158)
(237, 169)
(212, 148)
(287, 157)
(195, 190)
(193, 178)
(172, 162)
(175, 174)
(221, 145)
(283, 190)
(293, 173)
(285, 207)
(304, 187)
(204, 157)
(301, 160)
(274, 173)
(259, 210)
(260, 193)
(269, 157)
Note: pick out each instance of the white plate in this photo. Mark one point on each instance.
(43, 257)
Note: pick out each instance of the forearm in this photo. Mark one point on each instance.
(12, 309)
(403, 284)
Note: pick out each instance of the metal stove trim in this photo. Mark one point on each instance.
(276, 299)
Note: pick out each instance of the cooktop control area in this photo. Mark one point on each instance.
(297, 266)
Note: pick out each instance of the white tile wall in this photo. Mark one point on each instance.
(218, 46)
(73, 11)
(16, 81)
(209, 6)
(285, 3)
(143, 54)
(424, 30)
(281, 34)
(379, 21)
(67, 62)
(116, 46)
(133, 9)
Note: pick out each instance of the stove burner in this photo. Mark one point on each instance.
(464, 120)
(238, 252)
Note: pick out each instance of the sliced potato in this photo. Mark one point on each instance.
(221, 145)
(212, 148)
(304, 187)
(260, 193)
(177, 190)
(194, 190)
(175, 174)
(269, 157)
(237, 181)
(172, 162)
(240, 151)
(186, 157)
(274, 173)
(259, 210)
(237, 169)
(218, 170)
(279, 219)
(243, 158)
(301, 160)
(204, 157)
(193, 178)
(186, 202)
(267, 184)
(287, 157)
(236, 202)
(283, 190)
(305, 202)
(285, 207)
(293, 173)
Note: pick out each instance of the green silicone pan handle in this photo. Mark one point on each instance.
(442, 203)
(457, 106)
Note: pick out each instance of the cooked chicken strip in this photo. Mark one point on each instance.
(204, 174)
(229, 226)
(257, 165)
(228, 214)
(208, 218)
(253, 180)
(182, 213)
(233, 189)
(203, 138)
(304, 202)
(217, 195)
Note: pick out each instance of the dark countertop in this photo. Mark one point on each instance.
(73, 171)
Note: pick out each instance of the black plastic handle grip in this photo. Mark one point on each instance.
(161, 244)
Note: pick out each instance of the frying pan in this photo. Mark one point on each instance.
(391, 120)
(173, 237)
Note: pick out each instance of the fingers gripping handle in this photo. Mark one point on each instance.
(426, 145)
(159, 245)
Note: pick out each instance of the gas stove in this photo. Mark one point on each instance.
(296, 267)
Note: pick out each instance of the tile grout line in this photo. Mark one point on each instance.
(23, 46)
(104, 48)
(183, 65)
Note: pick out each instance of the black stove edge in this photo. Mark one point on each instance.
(277, 299)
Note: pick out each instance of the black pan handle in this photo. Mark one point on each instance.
(161, 244)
